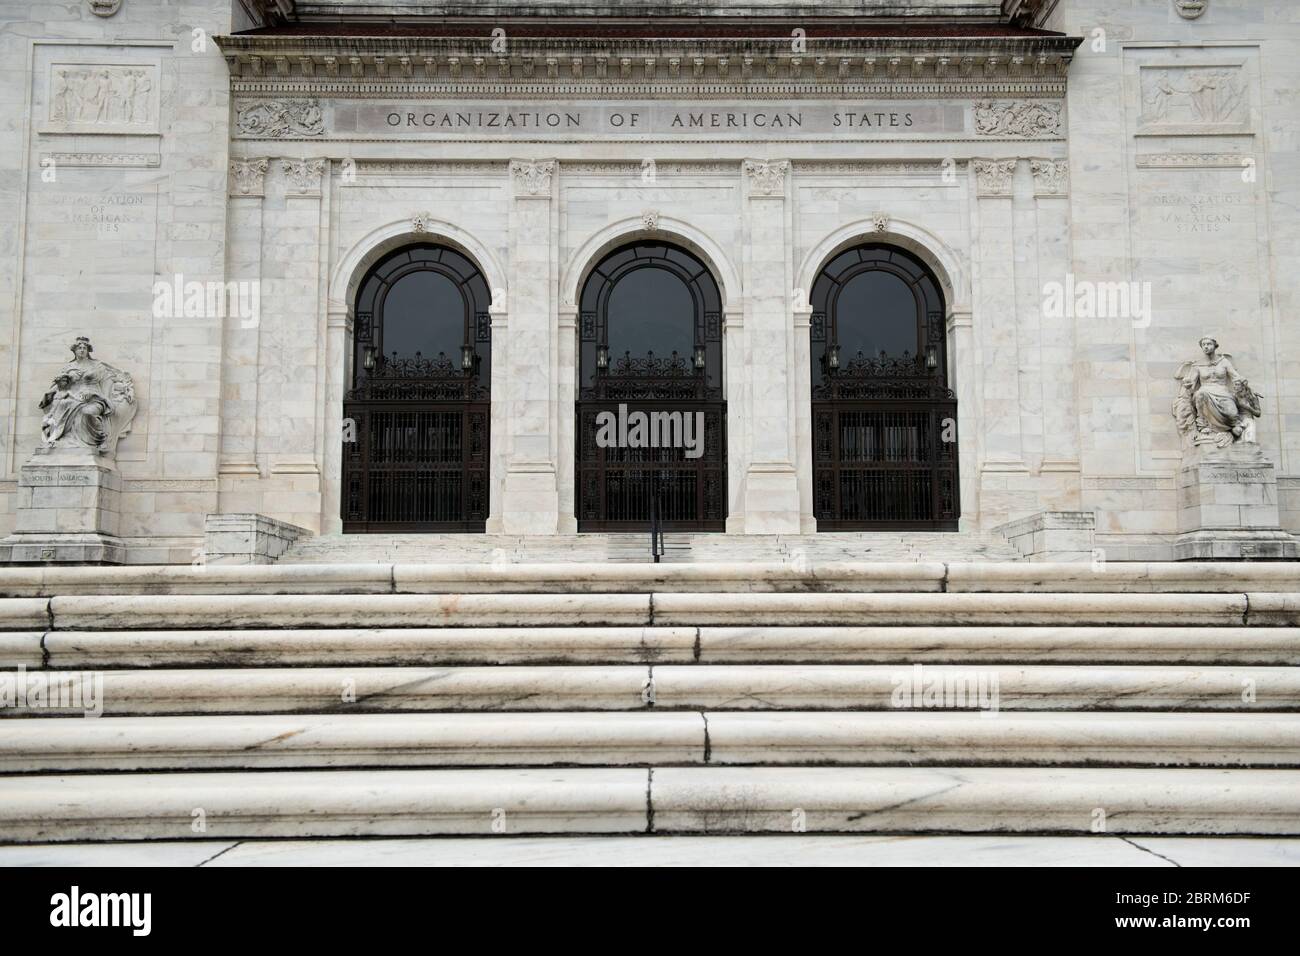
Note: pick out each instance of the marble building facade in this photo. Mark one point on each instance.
(1022, 151)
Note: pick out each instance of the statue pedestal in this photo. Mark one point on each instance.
(68, 512)
(1227, 506)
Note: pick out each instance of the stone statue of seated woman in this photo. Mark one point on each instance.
(1215, 404)
(89, 407)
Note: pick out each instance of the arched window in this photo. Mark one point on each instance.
(875, 301)
(647, 307)
(421, 308)
(884, 417)
(419, 402)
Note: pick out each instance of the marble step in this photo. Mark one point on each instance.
(33, 583)
(687, 609)
(898, 645)
(681, 547)
(656, 738)
(377, 802)
(662, 687)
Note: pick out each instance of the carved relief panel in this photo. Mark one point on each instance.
(1193, 99)
(103, 98)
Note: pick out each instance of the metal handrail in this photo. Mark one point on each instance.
(656, 533)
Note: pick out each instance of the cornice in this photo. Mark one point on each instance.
(758, 91)
(540, 66)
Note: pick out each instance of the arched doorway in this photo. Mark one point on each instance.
(884, 420)
(651, 418)
(419, 397)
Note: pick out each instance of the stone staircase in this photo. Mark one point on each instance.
(312, 700)
(635, 548)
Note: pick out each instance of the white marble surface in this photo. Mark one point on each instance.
(370, 646)
(742, 687)
(788, 850)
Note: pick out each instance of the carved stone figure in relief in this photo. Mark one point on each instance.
(1215, 404)
(89, 406)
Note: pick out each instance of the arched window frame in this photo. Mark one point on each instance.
(372, 366)
(837, 374)
(695, 375)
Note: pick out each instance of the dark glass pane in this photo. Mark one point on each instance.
(366, 300)
(424, 312)
(841, 262)
(876, 311)
(651, 310)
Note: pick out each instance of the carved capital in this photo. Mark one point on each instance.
(994, 177)
(304, 175)
(766, 177)
(248, 177)
(1051, 176)
(532, 178)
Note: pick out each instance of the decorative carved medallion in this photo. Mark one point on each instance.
(1051, 176)
(1190, 9)
(880, 222)
(279, 118)
(248, 177)
(105, 8)
(532, 177)
(1026, 119)
(304, 174)
(994, 177)
(650, 220)
(90, 405)
(420, 222)
(766, 178)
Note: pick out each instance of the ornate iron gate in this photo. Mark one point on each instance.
(615, 484)
(616, 480)
(420, 458)
(417, 428)
(884, 427)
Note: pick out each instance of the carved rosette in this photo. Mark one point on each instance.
(275, 119)
(304, 175)
(248, 177)
(532, 177)
(766, 177)
(1051, 176)
(994, 177)
(1018, 119)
